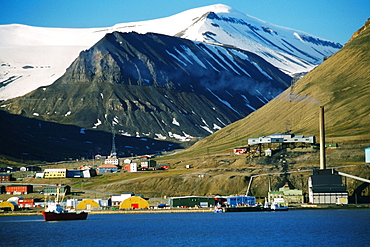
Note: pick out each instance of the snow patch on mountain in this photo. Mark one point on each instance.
(183, 138)
(223, 101)
(216, 127)
(98, 122)
(175, 122)
(207, 129)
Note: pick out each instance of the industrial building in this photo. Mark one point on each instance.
(281, 138)
(191, 201)
(234, 201)
(53, 189)
(325, 187)
(290, 196)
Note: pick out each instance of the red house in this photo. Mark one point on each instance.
(26, 203)
(242, 150)
(19, 189)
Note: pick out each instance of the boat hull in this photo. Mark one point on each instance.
(280, 209)
(51, 216)
(244, 209)
(252, 209)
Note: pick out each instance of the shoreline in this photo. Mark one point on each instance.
(191, 210)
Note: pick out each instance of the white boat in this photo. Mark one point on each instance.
(218, 209)
(279, 204)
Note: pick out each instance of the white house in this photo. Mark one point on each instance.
(116, 200)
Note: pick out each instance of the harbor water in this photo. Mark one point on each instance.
(347, 227)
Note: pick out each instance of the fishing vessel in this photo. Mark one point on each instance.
(55, 211)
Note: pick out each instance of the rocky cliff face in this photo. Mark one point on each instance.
(157, 86)
(361, 30)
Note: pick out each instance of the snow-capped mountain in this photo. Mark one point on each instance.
(31, 57)
(155, 86)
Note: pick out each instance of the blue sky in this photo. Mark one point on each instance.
(335, 20)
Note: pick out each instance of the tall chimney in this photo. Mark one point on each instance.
(322, 139)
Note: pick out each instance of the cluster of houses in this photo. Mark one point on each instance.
(20, 202)
(123, 201)
(145, 163)
(111, 165)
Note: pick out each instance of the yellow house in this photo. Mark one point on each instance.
(134, 202)
(55, 173)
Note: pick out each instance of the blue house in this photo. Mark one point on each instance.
(234, 201)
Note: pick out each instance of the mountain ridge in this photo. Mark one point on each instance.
(34, 47)
(155, 85)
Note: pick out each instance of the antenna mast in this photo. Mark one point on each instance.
(114, 151)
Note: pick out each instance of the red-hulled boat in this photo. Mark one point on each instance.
(53, 216)
(56, 212)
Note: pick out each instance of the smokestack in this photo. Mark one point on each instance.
(322, 139)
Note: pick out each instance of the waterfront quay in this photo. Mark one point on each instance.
(194, 210)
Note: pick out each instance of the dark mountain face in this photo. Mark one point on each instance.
(33, 139)
(155, 86)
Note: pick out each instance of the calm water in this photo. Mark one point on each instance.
(290, 228)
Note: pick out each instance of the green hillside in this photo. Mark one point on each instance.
(341, 84)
